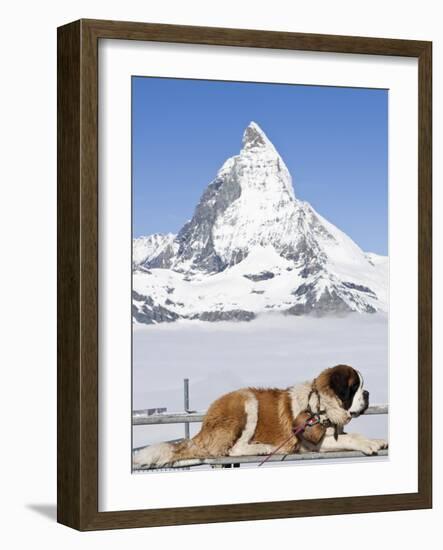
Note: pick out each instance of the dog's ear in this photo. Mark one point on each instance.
(339, 383)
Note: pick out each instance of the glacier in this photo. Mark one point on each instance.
(252, 248)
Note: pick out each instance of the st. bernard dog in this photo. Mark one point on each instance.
(260, 421)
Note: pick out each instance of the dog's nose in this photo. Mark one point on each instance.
(366, 394)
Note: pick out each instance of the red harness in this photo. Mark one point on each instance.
(311, 421)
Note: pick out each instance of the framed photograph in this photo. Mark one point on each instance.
(244, 275)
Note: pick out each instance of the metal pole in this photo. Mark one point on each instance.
(186, 402)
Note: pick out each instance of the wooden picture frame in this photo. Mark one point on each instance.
(78, 274)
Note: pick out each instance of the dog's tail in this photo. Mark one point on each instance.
(164, 454)
(224, 421)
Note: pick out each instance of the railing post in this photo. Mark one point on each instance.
(186, 403)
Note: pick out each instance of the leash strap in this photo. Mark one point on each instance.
(312, 421)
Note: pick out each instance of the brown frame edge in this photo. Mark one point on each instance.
(77, 274)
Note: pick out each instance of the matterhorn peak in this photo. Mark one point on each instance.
(252, 247)
(254, 137)
(263, 164)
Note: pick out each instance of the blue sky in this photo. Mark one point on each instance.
(333, 140)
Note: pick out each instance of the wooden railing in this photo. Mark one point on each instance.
(143, 418)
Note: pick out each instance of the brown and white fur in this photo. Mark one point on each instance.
(255, 421)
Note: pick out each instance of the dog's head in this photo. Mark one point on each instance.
(343, 385)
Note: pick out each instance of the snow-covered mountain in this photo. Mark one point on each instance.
(252, 247)
(146, 249)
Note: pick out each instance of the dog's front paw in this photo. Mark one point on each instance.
(372, 446)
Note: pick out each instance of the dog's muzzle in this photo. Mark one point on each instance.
(365, 405)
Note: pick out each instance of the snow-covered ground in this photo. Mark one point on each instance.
(273, 350)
